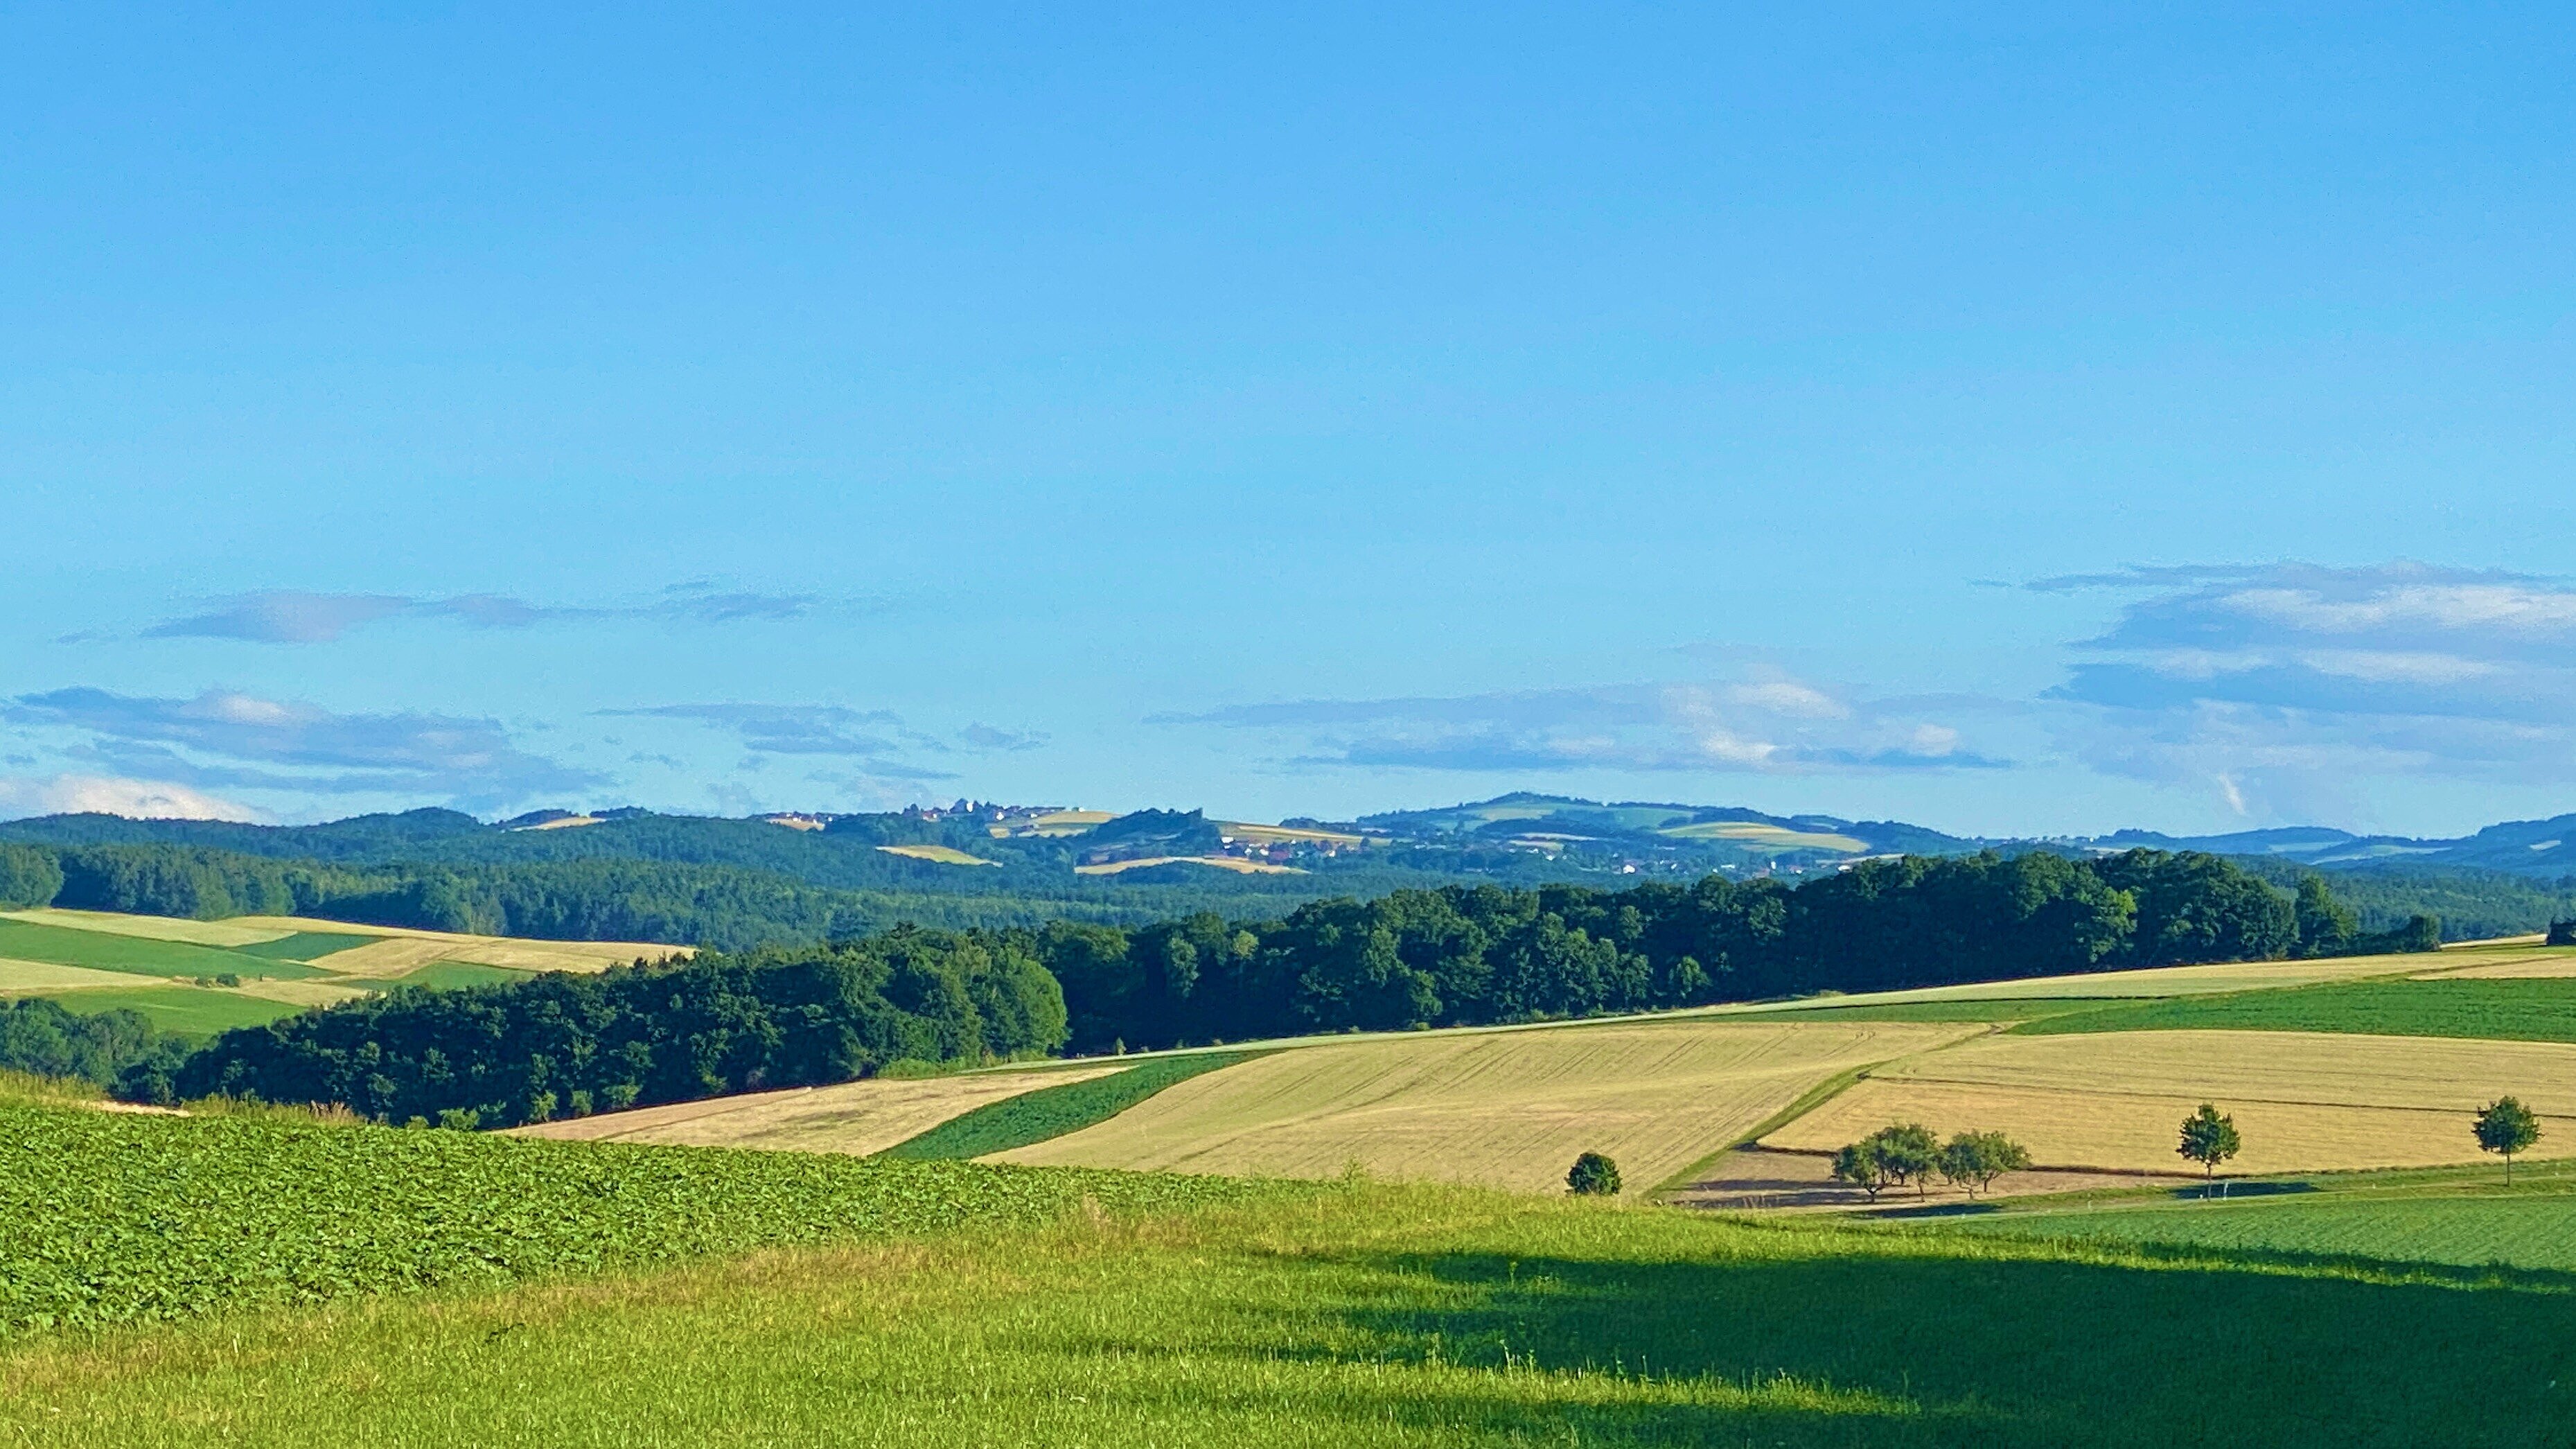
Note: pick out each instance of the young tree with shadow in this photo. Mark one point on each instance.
(2508, 1127)
(2209, 1138)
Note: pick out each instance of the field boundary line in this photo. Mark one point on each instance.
(1805, 1102)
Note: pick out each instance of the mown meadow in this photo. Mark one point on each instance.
(1362, 1314)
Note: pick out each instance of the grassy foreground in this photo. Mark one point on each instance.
(1362, 1315)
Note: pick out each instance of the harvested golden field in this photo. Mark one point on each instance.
(2539, 962)
(1754, 832)
(2302, 1100)
(239, 932)
(2149, 982)
(33, 978)
(401, 949)
(302, 993)
(1286, 834)
(1509, 1109)
(853, 1117)
(1222, 862)
(2120, 1132)
(944, 854)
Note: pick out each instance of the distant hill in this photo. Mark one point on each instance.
(2544, 848)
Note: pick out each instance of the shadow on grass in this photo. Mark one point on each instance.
(2001, 1350)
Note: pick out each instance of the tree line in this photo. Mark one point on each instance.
(1460, 955)
(1466, 955)
(566, 1045)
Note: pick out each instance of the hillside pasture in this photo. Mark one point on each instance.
(134, 955)
(2156, 981)
(2541, 964)
(47, 978)
(1755, 832)
(856, 1118)
(188, 1010)
(223, 934)
(2484, 1007)
(941, 854)
(1505, 1109)
(2302, 1101)
(1233, 863)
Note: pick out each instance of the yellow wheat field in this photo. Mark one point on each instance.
(160, 928)
(853, 1117)
(2151, 982)
(2560, 961)
(1509, 1109)
(32, 978)
(2301, 1100)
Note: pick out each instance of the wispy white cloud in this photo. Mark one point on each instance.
(2284, 687)
(288, 616)
(232, 739)
(114, 795)
(1768, 723)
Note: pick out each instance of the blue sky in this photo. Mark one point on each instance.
(2009, 421)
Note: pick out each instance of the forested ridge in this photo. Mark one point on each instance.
(1459, 955)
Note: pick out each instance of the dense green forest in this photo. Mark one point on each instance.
(2473, 904)
(1461, 955)
(1458, 955)
(634, 1036)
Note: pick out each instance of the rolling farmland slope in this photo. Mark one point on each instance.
(173, 971)
(858, 1118)
(1502, 1108)
(2303, 1101)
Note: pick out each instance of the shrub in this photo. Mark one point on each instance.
(1593, 1175)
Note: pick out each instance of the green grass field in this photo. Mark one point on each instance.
(2502, 1009)
(1052, 1112)
(2536, 1231)
(101, 951)
(1361, 1316)
(306, 945)
(445, 974)
(188, 1010)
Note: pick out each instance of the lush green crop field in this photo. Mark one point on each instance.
(1052, 1112)
(443, 974)
(101, 951)
(189, 1010)
(2527, 1230)
(1362, 1316)
(2502, 1009)
(306, 945)
(113, 1217)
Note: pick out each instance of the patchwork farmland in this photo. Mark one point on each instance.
(203, 976)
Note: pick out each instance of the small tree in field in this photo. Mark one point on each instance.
(1860, 1165)
(1593, 1175)
(1910, 1151)
(1896, 1154)
(1973, 1160)
(2209, 1138)
(2508, 1127)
